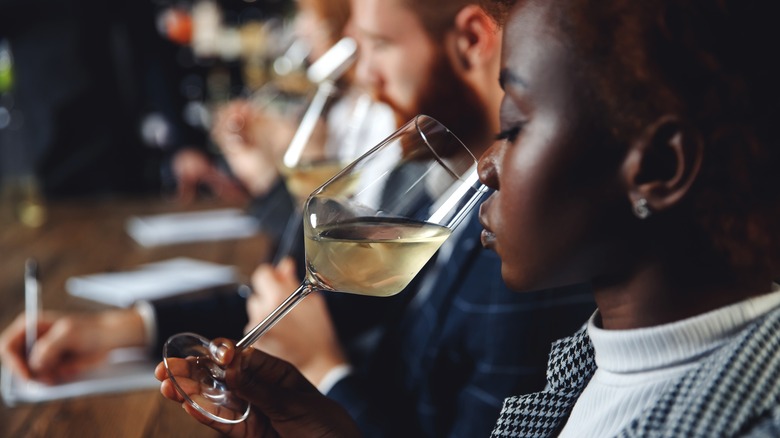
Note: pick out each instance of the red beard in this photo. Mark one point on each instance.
(450, 100)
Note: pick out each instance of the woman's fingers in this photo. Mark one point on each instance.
(178, 367)
(255, 376)
(181, 370)
(168, 390)
(283, 402)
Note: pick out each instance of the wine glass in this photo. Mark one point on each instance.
(320, 147)
(368, 230)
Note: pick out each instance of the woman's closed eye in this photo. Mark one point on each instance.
(509, 134)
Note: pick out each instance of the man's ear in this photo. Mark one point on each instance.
(663, 163)
(475, 37)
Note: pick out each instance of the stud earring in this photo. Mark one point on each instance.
(641, 210)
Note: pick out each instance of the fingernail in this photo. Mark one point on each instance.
(218, 352)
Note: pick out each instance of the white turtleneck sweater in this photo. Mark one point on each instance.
(635, 366)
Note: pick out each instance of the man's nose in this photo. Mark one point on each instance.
(365, 71)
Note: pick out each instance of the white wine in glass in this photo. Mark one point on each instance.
(370, 236)
(371, 255)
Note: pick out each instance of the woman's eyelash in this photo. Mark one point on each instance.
(510, 134)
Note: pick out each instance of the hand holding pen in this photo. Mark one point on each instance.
(16, 342)
(52, 346)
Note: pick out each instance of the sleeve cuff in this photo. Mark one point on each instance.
(145, 309)
(333, 376)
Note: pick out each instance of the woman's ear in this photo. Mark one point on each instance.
(476, 37)
(662, 164)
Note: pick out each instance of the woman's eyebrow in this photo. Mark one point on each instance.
(507, 77)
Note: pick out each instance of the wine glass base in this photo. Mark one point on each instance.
(199, 379)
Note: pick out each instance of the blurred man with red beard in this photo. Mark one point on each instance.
(444, 353)
(434, 57)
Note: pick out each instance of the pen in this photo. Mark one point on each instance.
(31, 302)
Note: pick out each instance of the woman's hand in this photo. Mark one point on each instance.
(284, 403)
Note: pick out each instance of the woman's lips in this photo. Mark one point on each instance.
(487, 237)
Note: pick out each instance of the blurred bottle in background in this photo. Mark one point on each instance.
(20, 195)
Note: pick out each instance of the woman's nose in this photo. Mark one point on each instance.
(488, 166)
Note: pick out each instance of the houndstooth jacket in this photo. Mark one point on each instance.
(734, 392)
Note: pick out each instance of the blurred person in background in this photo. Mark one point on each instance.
(252, 138)
(253, 133)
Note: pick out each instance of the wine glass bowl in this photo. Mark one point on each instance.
(370, 243)
(368, 230)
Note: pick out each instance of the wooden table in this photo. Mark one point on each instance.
(87, 237)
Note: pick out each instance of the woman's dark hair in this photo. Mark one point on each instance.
(711, 62)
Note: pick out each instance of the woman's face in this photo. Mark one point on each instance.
(558, 195)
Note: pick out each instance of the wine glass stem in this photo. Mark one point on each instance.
(259, 330)
(305, 129)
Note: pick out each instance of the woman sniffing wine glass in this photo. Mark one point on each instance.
(368, 230)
